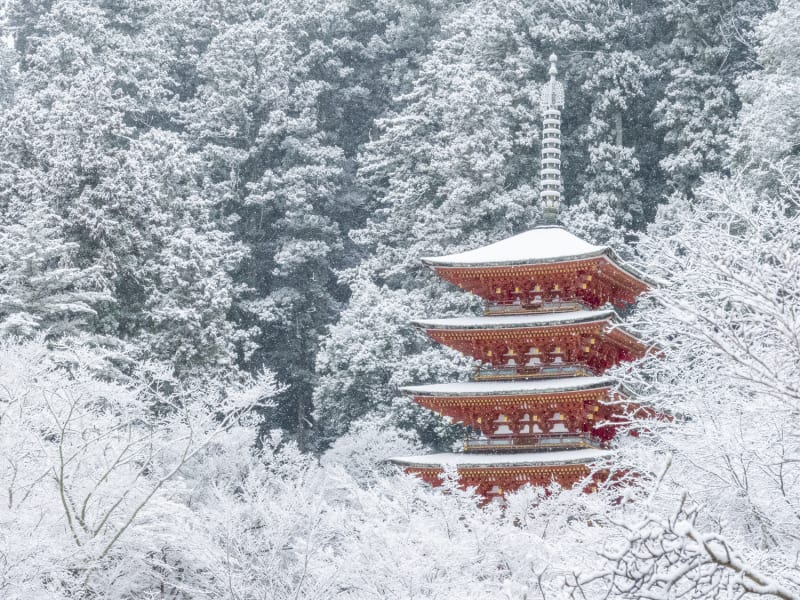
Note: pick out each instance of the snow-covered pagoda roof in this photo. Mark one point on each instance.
(525, 386)
(517, 321)
(540, 245)
(517, 459)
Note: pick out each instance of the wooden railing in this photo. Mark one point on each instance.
(518, 308)
(532, 442)
(528, 371)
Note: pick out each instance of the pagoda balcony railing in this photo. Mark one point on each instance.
(532, 442)
(486, 373)
(515, 307)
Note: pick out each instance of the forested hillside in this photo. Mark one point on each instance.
(224, 184)
(211, 219)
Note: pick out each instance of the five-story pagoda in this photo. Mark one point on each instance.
(539, 406)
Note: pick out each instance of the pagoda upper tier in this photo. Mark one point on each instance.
(576, 342)
(541, 267)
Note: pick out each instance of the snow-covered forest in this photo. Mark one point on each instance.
(211, 219)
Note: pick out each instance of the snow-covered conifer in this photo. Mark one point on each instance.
(42, 291)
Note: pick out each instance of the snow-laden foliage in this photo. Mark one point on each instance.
(92, 134)
(710, 48)
(770, 119)
(723, 373)
(112, 491)
(723, 515)
(363, 374)
(100, 480)
(363, 451)
(41, 289)
(215, 187)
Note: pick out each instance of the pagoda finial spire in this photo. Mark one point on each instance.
(552, 100)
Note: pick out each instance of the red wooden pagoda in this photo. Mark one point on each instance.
(539, 408)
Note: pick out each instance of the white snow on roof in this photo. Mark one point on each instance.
(542, 244)
(469, 459)
(516, 321)
(481, 388)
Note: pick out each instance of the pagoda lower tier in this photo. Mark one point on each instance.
(493, 475)
(528, 414)
(539, 344)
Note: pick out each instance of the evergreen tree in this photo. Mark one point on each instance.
(7, 75)
(41, 291)
(363, 370)
(93, 131)
(285, 100)
(769, 130)
(450, 168)
(708, 49)
(611, 202)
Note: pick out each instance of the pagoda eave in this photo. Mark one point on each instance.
(598, 344)
(523, 401)
(523, 321)
(594, 281)
(495, 475)
(528, 421)
(480, 461)
(475, 389)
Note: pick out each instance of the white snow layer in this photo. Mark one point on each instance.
(482, 388)
(516, 321)
(542, 244)
(469, 459)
